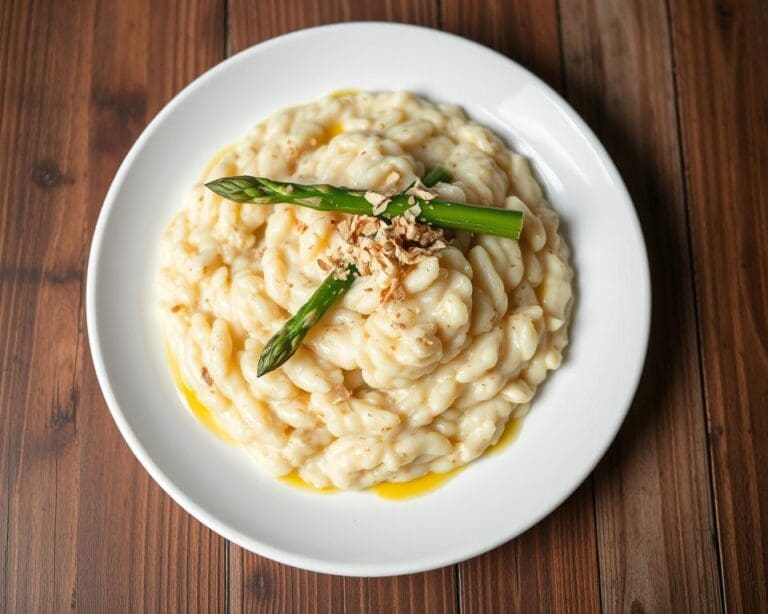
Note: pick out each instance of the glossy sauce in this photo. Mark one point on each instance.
(386, 490)
(398, 491)
(199, 411)
(295, 480)
(341, 93)
(511, 431)
(419, 486)
(335, 129)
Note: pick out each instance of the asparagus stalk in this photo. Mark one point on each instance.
(435, 176)
(287, 340)
(457, 216)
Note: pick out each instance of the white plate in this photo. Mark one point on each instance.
(574, 417)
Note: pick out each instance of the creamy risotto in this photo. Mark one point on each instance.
(388, 385)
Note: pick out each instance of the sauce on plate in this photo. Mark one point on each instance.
(199, 411)
(396, 491)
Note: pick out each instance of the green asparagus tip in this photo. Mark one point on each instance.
(435, 176)
(247, 189)
(277, 351)
(287, 340)
(456, 216)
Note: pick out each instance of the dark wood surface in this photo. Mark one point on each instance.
(673, 519)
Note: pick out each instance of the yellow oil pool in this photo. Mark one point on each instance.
(200, 411)
(398, 491)
(346, 92)
(510, 433)
(335, 129)
(420, 486)
(387, 490)
(294, 479)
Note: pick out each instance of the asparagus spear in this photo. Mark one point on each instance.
(435, 176)
(457, 216)
(287, 340)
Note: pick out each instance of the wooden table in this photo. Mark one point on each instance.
(674, 517)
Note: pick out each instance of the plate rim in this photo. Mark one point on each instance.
(248, 542)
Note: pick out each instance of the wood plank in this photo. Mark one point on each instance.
(654, 502)
(253, 22)
(527, 32)
(136, 549)
(43, 105)
(720, 52)
(257, 584)
(261, 585)
(552, 567)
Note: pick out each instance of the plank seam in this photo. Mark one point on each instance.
(225, 52)
(27, 28)
(697, 316)
(227, 570)
(458, 604)
(457, 580)
(563, 80)
(564, 87)
(73, 387)
(597, 544)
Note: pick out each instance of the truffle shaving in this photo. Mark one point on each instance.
(385, 249)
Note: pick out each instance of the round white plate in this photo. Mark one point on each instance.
(575, 415)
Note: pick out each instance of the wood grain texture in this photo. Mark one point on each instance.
(652, 489)
(167, 561)
(720, 51)
(554, 566)
(42, 164)
(257, 584)
(260, 585)
(550, 568)
(85, 527)
(676, 89)
(252, 22)
(525, 31)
